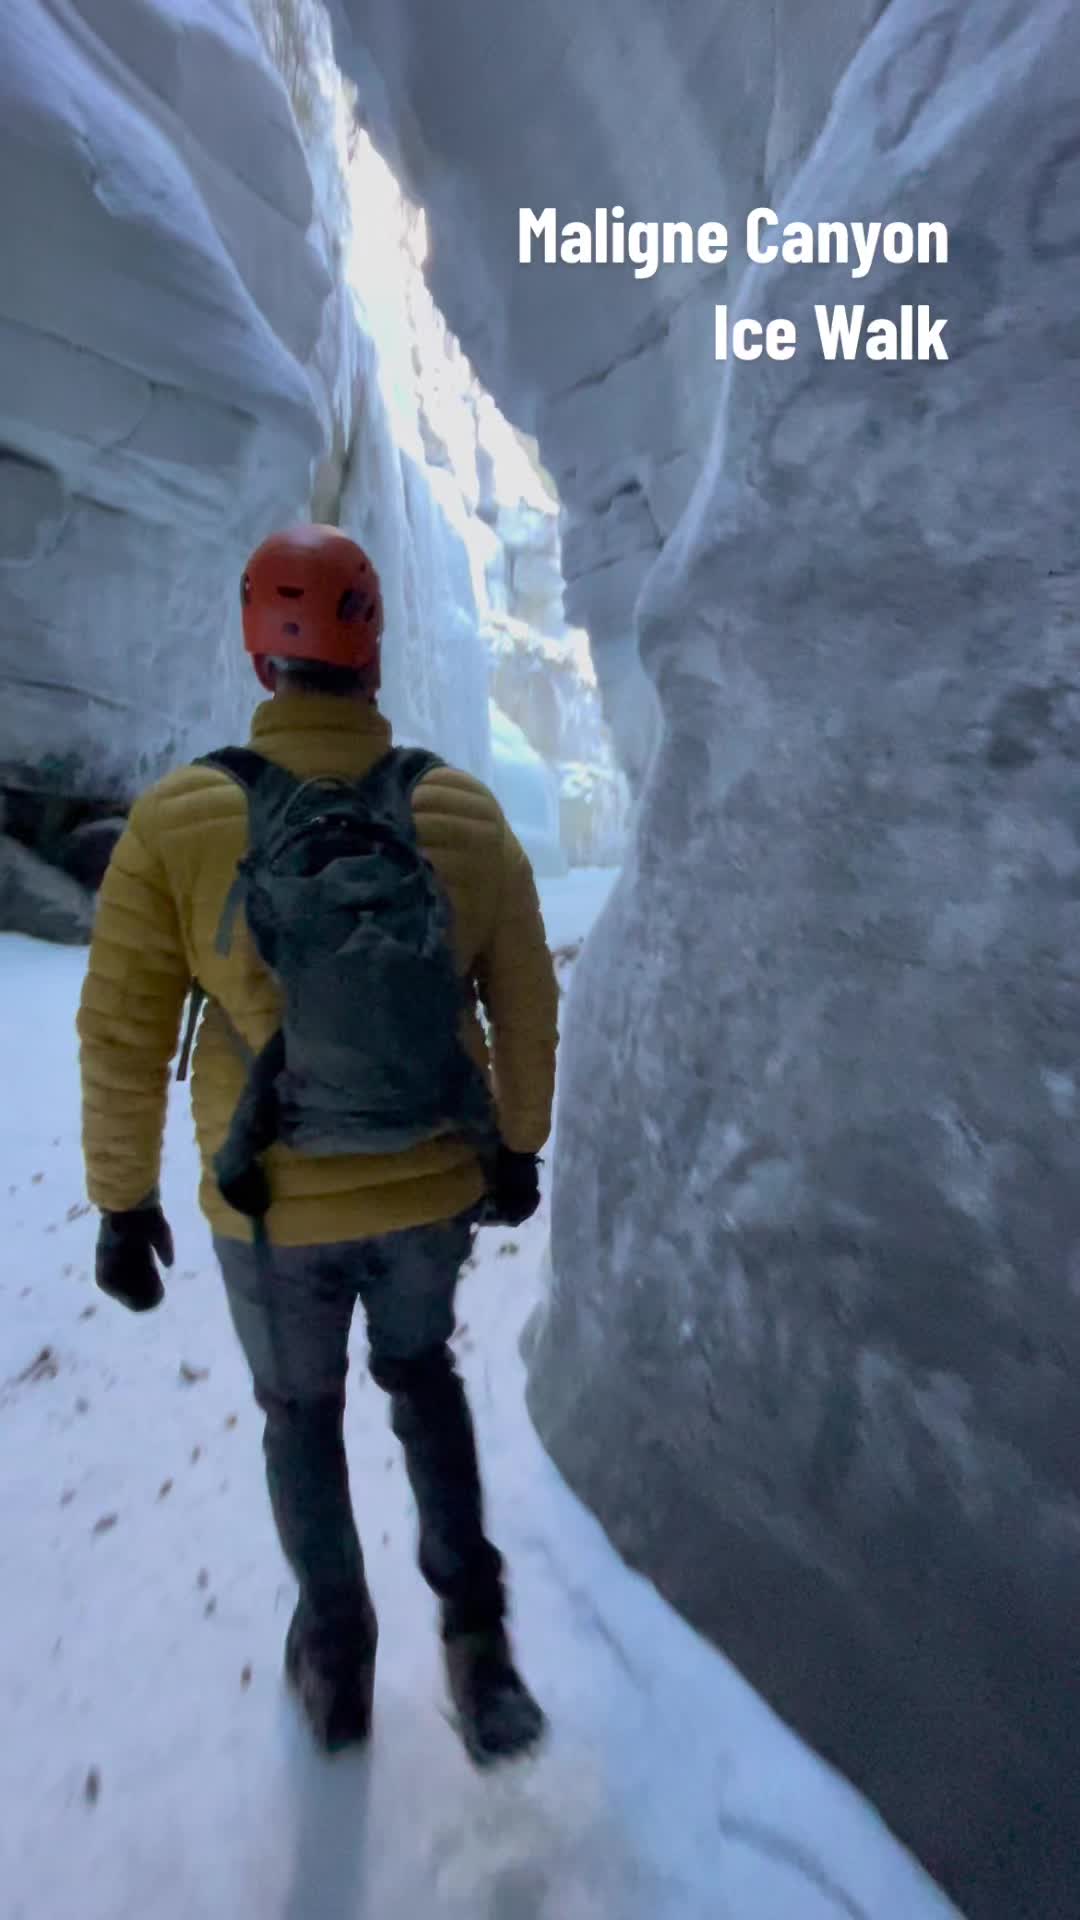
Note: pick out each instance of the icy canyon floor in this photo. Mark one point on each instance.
(152, 1764)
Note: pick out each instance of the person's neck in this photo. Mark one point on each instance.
(317, 693)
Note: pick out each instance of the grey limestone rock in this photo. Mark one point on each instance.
(812, 1345)
(40, 900)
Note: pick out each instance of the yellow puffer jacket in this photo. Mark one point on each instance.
(158, 915)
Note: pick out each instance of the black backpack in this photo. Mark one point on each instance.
(350, 919)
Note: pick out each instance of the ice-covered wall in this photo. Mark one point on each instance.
(212, 320)
(215, 319)
(158, 303)
(545, 683)
(527, 788)
(814, 1332)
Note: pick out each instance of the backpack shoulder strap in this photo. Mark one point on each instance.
(242, 764)
(413, 764)
(397, 775)
(250, 770)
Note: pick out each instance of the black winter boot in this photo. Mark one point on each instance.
(497, 1717)
(333, 1679)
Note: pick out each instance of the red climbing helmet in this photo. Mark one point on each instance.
(310, 593)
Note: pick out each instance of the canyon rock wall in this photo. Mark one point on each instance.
(185, 363)
(183, 366)
(159, 303)
(813, 1334)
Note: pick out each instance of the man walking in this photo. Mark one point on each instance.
(343, 911)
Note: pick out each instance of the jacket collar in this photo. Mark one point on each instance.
(293, 713)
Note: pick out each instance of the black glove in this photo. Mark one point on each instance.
(125, 1265)
(515, 1188)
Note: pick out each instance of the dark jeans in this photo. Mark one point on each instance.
(293, 1322)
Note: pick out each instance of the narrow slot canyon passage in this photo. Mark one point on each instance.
(769, 667)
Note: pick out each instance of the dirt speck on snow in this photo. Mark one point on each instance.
(36, 1179)
(77, 1212)
(164, 1489)
(190, 1374)
(92, 1787)
(210, 1607)
(230, 1419)
(196, 1454)
(508, 1246)
(245, 1677)
(202, 1579)
(44, 1366)
(88, 1313)
(106, 1523)
(67, 1496)
(82, 1404)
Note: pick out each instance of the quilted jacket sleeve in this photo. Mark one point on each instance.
(515, 976)
(129, 1020)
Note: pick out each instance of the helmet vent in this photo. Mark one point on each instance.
(291, 593)
(355, 605)
(290, 626)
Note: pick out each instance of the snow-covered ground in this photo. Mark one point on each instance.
(152, 1767)
(570, 905)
